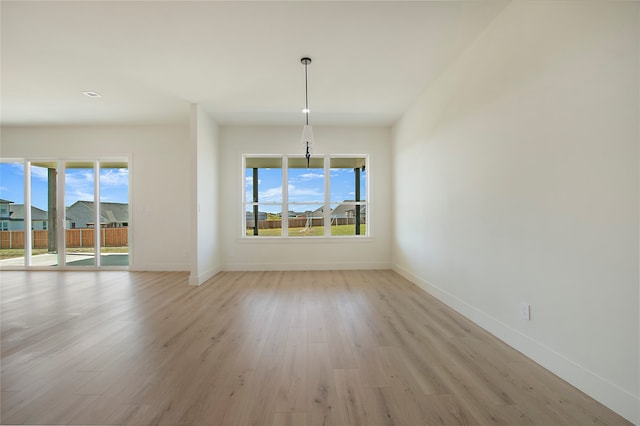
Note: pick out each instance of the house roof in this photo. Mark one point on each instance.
(5, 201)
(341, 209)
(83, 211)
(370, 59)
(17, 212)
(80, 211)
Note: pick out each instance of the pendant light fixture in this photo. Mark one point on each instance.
(307, 130)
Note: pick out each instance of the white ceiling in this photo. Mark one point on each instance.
(240, 60)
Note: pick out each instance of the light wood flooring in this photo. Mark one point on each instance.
(262, 348)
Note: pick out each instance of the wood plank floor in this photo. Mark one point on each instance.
(261, 348)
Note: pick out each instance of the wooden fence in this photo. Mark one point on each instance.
(302, 222)
(74, 238)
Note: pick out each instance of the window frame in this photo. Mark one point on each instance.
(244, 204)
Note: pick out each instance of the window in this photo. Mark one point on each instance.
(305, 195)
(349, 196)
(286, 197)
(263, 196)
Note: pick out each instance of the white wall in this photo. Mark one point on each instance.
(298, 253)
(205, 192)
(516, 179)
(159, 164)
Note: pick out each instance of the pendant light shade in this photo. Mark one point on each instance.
(307, 140)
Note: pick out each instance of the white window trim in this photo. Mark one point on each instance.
(327, 237)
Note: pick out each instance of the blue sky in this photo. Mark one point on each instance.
(114, 185)
(304, 186)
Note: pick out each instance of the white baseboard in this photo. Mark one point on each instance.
(201, 278)
(305, 266)
(609, 394)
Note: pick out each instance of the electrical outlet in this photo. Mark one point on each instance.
(525, 311)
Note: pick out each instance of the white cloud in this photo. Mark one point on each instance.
(41, 173)
(296, 194)
(341, 171)
(304, 194)
(78, 195)
(310, 176)
(79, 179)
(18, 168)
(272, 194)
(114, 177)
(269, 195)
(78, 185)
(249, 181)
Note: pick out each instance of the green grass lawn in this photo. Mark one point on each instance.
(13, 253)
(316, 231)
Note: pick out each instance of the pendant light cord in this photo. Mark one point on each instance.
(306, 61)
(306, 94)
(306, 108)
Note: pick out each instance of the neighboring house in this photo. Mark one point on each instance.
(5, 214)
(261, 216)
(304, 215)
(344, 211)
(81, 214)
(15, 220)
(4, 208)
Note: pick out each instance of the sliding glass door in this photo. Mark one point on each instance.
(64, 214)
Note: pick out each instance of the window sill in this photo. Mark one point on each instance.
(299, 240)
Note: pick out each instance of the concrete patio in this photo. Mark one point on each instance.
(71, 259)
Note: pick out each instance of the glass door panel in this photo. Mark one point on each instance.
(11, 218)
(114, 214)
(44, 214)
(80, 214)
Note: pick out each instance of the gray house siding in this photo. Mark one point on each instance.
(15, 220)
